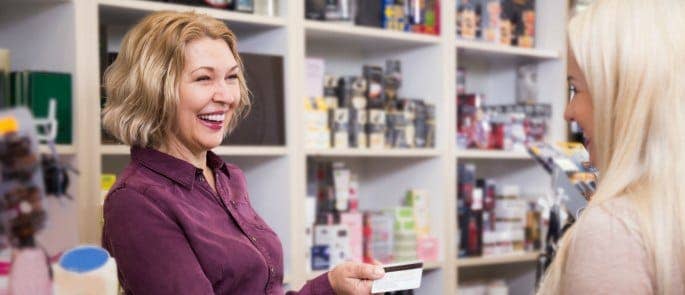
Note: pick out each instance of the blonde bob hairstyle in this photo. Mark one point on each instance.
(631, 53)
(142, 85)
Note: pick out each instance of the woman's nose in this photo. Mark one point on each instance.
(568, 112)
(224, 93)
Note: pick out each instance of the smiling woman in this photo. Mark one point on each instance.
(179, 219)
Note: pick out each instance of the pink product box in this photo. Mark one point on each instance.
(353, 221)
(427, 248)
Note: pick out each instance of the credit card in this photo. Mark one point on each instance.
(399, 276)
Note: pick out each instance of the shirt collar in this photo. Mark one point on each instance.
(173, 168)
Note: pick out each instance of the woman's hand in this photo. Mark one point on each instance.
(354, 277)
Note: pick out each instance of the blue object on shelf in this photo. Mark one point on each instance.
(84, 259)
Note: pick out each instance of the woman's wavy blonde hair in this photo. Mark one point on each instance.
(142, 85)
(631, 53)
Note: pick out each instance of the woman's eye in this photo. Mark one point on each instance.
(571, 91)
(202, 78)
(232, 77)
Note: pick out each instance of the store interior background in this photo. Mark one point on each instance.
(75, 37)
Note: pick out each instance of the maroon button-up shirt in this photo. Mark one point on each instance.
(171, 234)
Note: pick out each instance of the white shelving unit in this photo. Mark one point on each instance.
(65, 37)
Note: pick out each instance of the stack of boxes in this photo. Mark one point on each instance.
(492, 223)
(364, 111)
(507, 22)
(421, 16)
(342, 232)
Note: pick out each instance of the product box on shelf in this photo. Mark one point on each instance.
(315, 71)
(468, 19)
(417, 200)
(318, 133)
(427, 248)
(405, 234)
(393, 16)
(354, 222)
(376, 128)
(524, 22)
(507, 23)
(341, 184)
(340, 122)
(358, 114)
(374, 90)
(382, 232)
(369, 13)
(246, 6)
(315, 9)
(335, 237)
(491, 22)
(321, 258)
(527, 84)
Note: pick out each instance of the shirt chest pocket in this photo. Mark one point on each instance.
(251, 217)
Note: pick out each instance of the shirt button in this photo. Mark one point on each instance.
(271, 269)
(253, 239)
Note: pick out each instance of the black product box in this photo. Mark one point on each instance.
(315, 9)
(466, 185)
(264, 124)
(345, 91)
(369, 13)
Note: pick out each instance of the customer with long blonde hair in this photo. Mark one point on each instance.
(625, 73)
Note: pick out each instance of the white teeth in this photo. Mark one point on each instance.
(215, 118)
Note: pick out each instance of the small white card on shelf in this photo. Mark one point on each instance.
(399, 276)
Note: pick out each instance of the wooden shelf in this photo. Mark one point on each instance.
(130, 10)
(493, 50)
(498, 260)
(382, 153)
(61, 149)
(368, 38)
(256, 151)
(492, 155)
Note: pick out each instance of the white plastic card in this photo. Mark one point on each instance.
(399, 276)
